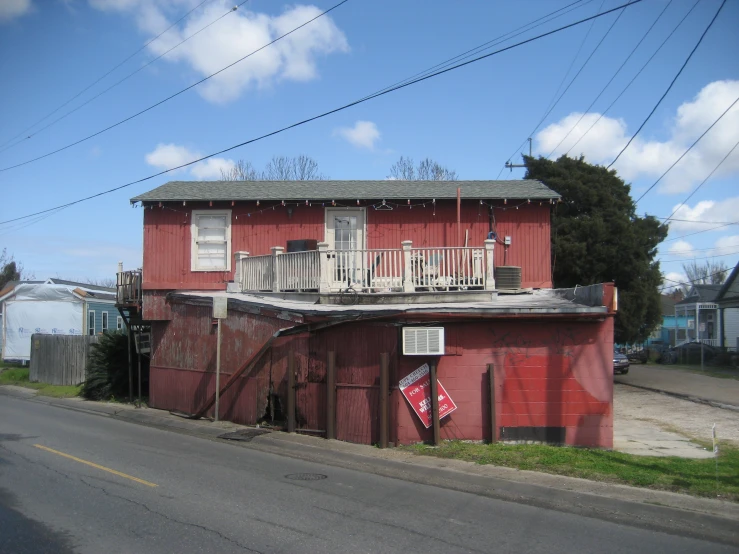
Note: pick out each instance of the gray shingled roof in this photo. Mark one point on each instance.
(344, 190)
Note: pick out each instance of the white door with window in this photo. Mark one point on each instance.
(345, 235)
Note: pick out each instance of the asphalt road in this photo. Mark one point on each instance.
(177, 493)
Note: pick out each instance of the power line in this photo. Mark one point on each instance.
(141, 68)
(559, 98)
(688, 150)
(628, 85)
(96, 81)
(685, 259)
(691, 281)
(325, 114)
(173, 95)
(713, 248)
(493, 42)
(633, 50)
(704, 180)
(700, 40)
(690, 220)
(702, 231)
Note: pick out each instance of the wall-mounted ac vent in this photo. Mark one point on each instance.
(423, 341)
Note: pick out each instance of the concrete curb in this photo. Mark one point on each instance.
(680, 514)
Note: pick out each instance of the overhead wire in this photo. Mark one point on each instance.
(688, 150)
(572, 81)
(623, 64)
(96, 81)
(628, 85)
(669, 88)
(701, 231)
(170, 97)
(327, 113)
(111, 87)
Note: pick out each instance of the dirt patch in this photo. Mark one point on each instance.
(690, 419)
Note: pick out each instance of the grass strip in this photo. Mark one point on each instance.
(19, 376)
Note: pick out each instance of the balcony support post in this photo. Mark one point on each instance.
(239, 273)
(323, 268)
(489, 264)
(276, 251)
(408, 285)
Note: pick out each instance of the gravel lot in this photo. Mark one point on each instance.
(690, 419)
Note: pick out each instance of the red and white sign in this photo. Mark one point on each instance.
(417, 391)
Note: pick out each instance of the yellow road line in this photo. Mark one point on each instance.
(96, 466)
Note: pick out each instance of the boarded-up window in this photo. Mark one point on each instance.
(211, 240)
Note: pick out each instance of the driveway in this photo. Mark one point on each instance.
(683, 383)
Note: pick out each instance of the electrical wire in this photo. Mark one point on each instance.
(628, 85)
(704, 181)
(700, 40)
(129, 118)
(701, 231)
(324, 114)
(559, 98)
(141, 68)
(633, 50)
(684, 259)
(688, 150)
(96, 81)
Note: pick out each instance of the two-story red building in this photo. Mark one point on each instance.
(337, 276)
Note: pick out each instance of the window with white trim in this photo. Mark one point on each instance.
(91, 322)
(211, 240)
(105, 321)
(119, 323)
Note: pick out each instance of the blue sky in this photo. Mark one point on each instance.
(470, 120)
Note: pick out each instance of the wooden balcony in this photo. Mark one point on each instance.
(406, 269)
(128, 288)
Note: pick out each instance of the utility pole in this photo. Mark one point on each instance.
(510, 165)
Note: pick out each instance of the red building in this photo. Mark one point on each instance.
(334, 274)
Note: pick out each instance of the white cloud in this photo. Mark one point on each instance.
(364, 134)
(727, 244)
(292, 58)
(681, 248)
(167, 156)
(13, 8)
(714, 212)
(672, 280)
(650, 158)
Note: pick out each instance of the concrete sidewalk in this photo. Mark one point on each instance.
(612, 502)
(722, 393)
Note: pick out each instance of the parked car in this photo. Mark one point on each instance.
(620, 363)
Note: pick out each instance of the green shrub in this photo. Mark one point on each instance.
(107, 368)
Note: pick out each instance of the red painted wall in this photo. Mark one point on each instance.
(548, 373)
(167, 236)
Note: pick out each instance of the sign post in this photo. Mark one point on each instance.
(220, 311)
(416, 389)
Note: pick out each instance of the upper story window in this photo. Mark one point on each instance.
(211, 240)
(91, 322)
(105, 321)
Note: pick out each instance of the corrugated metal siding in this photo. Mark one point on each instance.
(528, 227)
(167, 235)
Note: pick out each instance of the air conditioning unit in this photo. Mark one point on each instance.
(423, 341)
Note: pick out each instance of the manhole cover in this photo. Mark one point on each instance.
(244, 435)
(306, 476)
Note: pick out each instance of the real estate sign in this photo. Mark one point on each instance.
(416, 388)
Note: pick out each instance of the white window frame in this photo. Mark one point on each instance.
(94, 322)
(105, 321)
(329, 231)
(119, 323)
(194, 239)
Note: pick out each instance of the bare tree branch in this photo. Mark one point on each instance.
(279, 168)
(428, 170)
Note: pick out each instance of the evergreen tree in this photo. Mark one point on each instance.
(598, 237)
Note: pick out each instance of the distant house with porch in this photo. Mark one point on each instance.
(728, 301)
(327, 289)
(672, 325)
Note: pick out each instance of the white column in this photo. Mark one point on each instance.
(323, 284)
(408, 285)
(718, 326)
(489, 264)
(239, 273)
(698, 322)
(276, 251)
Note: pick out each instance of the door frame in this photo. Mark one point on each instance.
(329, 232)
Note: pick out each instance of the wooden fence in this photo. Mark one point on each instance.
(59, 359)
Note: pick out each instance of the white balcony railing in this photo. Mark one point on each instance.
(404, 269)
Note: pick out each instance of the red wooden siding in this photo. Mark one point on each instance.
(549, 373)
(167, 236)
